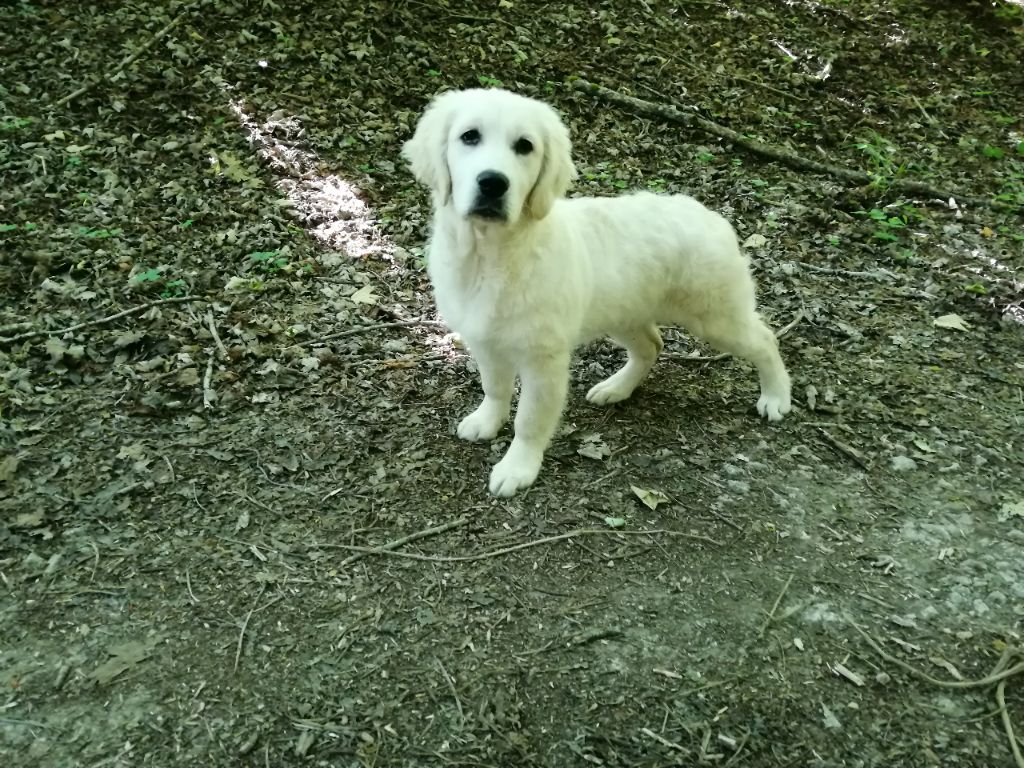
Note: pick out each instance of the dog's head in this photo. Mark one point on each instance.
(492, 155)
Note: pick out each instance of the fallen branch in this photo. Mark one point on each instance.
(672, 114)
(208, 394)
(998, 676)
(516, 547)
(363, 329)
(100, 321)
(127, 62)
(216, 336)
(456, 523)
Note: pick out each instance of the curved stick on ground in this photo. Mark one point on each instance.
(128, 61)
(673, 114)
(100, 321)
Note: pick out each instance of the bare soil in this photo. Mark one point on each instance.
(194, 496)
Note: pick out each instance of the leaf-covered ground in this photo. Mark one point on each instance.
(182, 487)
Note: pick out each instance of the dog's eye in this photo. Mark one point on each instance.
(471, 137)
(523, 147)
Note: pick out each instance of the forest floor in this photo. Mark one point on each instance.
(193, 496)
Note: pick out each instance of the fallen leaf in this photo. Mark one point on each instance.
(364, 295)
(954, 322)
(55, 348)
(28, 520)
(831, 721)
(650, 498)
(1008, 510)
(755, 241)
(593, 447)
(615, 522)
(8, 466)
(124, 657)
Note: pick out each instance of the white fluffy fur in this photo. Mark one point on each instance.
(523, 292)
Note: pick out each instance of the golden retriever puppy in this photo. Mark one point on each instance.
(525, 275)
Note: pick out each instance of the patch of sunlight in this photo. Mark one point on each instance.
(326, 204)
(997, 273)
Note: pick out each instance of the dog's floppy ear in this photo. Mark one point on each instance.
(557, 170)
(427, 152)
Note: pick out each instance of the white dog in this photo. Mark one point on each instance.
(525, 276)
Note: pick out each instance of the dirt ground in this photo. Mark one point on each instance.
(194, 496)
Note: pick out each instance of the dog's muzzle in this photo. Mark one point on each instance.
(490, 196)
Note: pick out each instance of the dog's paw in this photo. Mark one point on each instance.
(480, 425)
(517, 470)
(773, 407)
(609, 391)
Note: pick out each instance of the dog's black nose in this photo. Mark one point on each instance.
(492, 184)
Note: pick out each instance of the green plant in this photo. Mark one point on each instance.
(993, 152)
(14, 123)
(173, 288)
(705, 157)
(879, 152)
(148, 276)
(489, 82)
(26, 227)
(268, 262)
(433, 73)
(976, 288)
(886, 226)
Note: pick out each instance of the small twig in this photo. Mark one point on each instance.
(726, 355)
(208, 394)
(363, 329)
(800, 162)
(245, 623)
(451, 686)
(100, 321)
(882, 275)
(929, 118)
(128, 61)
(517, 547)
(775, 607)
(216, 337)
(1007, 724)
(663, 741)
(188, 584)
(457, 522)
(847, 450)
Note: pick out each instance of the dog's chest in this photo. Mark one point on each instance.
(469, 303)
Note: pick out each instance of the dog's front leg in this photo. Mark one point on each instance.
(545, 380)
(497, 374)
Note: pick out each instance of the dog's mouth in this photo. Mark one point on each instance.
(489, 211)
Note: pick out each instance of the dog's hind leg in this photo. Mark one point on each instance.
(498, 378)
(545, 382)
(643, 345)
(746, 335)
